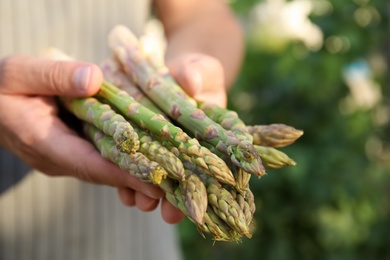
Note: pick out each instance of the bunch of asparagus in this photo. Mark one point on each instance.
(201, 155)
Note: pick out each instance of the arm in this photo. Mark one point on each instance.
(202, 34)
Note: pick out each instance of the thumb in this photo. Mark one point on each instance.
(28, 75)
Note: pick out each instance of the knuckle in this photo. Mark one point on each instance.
(53, 74)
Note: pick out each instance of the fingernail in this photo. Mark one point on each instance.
(81, 77)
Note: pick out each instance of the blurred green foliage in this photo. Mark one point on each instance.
(335, 203)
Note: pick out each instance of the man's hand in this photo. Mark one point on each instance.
(32, 130)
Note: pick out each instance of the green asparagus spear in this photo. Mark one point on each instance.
(113, 73)
(104, 118)
(136, 163)
(274, 135)
(273, 158)
(162, 70)
(158, 125)
(215, 226)
(159, 89)
(228, 119)
(194, 196)
(242, 180)
(247, 204)
(192, 207)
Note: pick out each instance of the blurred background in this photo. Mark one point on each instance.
(322, 66)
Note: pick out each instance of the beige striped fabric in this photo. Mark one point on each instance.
(44, 218)
(79, 27)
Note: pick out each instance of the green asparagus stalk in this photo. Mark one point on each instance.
(247, 204)
(158, 125)
(56, 54)
(274, 135)
(162, 70)
(242, 180)
(104, 118)
(228, 119)
(169, 187)
(126, 48)
(136, 163)
(113, 73)
(176, 196)
(194, 196)
(273, 158)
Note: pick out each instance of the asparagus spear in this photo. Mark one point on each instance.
(247, 204)
(176, 196)
(104, 118)
(242, 180)
(126, 47)
(274, 135)
(162, 70)
(273, 158)
(194, 196)
(136, 163)
(158, 125)
(215, 226)
(113, 73)
(228, 119)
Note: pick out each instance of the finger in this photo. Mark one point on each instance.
(169, 213)
(41, 76)
(145, 203)
(188, 77)
(201, 76)
(127, 196)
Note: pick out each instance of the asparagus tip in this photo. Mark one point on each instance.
(158, 175)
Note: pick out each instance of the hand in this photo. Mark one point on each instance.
(32, 130)
(201, 76)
